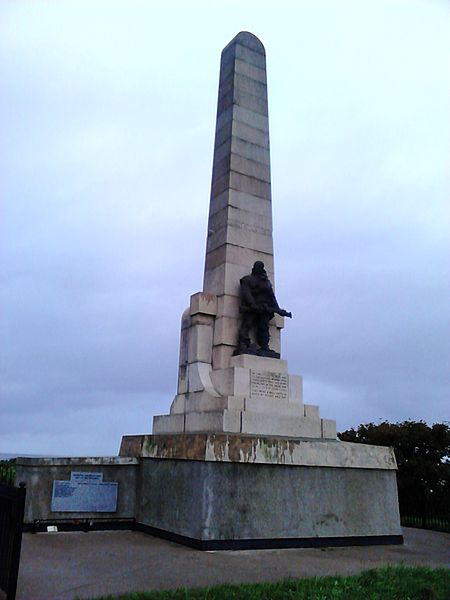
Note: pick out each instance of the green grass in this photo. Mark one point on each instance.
(7, 472)
(387, 583)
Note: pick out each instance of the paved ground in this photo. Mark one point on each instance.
(64, 566)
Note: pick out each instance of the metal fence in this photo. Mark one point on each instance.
(426, 522)
(424, 511)
(12, 504)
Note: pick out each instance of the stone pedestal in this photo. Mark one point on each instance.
(219, 491)
(252, 395)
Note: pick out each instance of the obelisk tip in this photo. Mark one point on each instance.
(245, 38)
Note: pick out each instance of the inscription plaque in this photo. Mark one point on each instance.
(85, 492)
(86, 476)
(269, 385)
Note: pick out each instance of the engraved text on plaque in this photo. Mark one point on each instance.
(269, 385)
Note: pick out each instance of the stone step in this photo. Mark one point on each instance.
(246, 422)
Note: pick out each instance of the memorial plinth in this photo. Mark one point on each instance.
(241, 461)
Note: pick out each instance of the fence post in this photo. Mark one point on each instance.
(17, 516)
(424, 510)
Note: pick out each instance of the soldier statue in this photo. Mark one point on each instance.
(258, 306)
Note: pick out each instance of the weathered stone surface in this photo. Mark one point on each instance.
(183, 379)
(232, 382)
(257, 423)
(242, 183)
(225, 279)
(203, 303)
(228, 253)
(226, 420)
(275, 339)
(231, 216)
(311, 411)
(242, 67)
(204, 402)
(296, 390)
(199, 376)
(260, 449)
(168, 424)
(211, 501)
(246, 132)
(222, 355)
(241, 200)
(259, 363)
(39, 474)
(269, 385)
(200, 343)
(329, 429)
(244, 99)
(226, 331)
(273, 408)
(250, 167)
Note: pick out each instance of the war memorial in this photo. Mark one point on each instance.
(239, 461)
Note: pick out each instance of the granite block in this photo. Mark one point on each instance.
(248, 150)
(241, 165)
(203, 303)
(243, 68)
(311, 411)
(168, 424)
(199, 377)
(232, 216)
(247, 39)
(296, 390)
(182, 379)
(329, 429)
(238, 256)
(259, 363)
(241, 200)
(226, 331)
(232, 382)
(246, 84)
(271, 406)
(221, 356)
(227, 420)
(200, 343)
(256, 423)
(223, 133)
(247, 133)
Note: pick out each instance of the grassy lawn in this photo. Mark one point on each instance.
(388, 583)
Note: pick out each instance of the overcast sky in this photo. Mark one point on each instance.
(107, 114)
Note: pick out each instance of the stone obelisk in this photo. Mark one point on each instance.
(219, 392)
(240, 213)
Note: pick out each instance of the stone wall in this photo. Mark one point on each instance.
(39, 474)
(220, 504)
(236, 501)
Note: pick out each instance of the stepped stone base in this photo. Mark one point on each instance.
(254, 395)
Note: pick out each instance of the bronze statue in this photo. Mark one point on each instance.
(258, 306)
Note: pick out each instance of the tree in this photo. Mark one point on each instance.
(423, 460)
